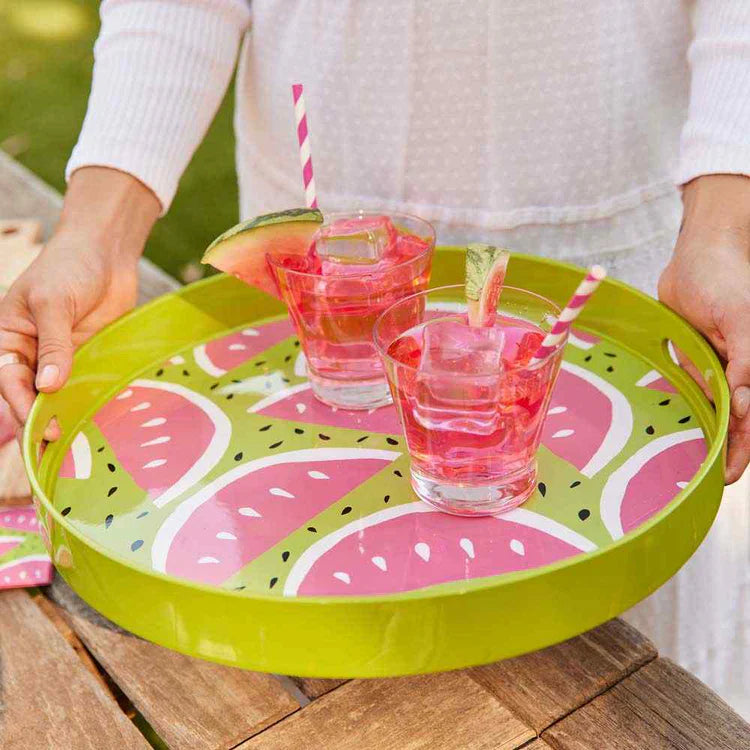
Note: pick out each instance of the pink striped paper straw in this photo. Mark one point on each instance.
(570, 312)
(303, 136)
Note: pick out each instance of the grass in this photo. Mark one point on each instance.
(46, 57)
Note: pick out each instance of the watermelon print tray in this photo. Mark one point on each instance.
(202, 498)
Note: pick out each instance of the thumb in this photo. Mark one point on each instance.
(55, 345)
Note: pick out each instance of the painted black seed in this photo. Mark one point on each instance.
(265, 427)
(610, 369)
(142, 515)
(236, 380)
(542, 489)
(136, 545)
(324, 437)
(275, 445)
(609, 354)
(159, 372)
(684, 420)
(65, 511)
(362, 439)
(260, 363)
(273, 582)
(239, 588)
(108, 521)
(587, 358)
(313, 529)
(665, 402)
(391, 441)
(285, 380)
(285, 555)
(584, 513)
(214, 386)
(230, 396)
(238, 456)
(346, 510)
(574, 484)
(186, 373)
(387, 499)
(99, 450)
(296, 343)
(111, 467)
(397, 473)
(111, 491)
(288, 358)
(650, 430)
(299, 430)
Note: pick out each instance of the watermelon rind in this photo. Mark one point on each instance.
(485, 272)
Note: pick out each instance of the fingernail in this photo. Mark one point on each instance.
(741, 402)
(48, 376)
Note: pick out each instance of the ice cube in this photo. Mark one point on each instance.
(452, 346)
(362, 240)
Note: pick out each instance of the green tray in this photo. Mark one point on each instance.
(201, 498)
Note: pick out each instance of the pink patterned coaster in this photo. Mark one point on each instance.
(23, 558)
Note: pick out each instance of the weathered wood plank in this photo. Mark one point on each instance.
(537, 744)
(49, 698)
(190, 703)
(23, 195)
(659, 706)
(314, 688)
(544, 686)
(432, 711)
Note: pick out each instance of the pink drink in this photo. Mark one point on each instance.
(358, 266)
(471, 406)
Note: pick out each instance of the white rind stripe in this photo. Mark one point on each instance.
(650, 377)
(610, 504)
(202, 360)
(214, 451)
(622, 420)
(173, 523)
(81, 451)
(579, 342)
(278, 396)
(27, 559)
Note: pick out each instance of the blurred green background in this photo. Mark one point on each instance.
(46, 56)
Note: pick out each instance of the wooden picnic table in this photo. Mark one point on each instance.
(69, 678)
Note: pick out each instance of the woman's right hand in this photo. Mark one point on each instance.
(84, 278)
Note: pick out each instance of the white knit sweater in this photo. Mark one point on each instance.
(552, 126)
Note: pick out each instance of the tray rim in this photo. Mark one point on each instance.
(479, 587)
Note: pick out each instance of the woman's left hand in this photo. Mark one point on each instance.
(707, 282)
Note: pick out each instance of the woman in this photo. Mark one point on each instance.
(550, 126)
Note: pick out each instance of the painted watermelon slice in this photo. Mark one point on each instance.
(589, 421)
(414, 546)
(77, 461)
(219, 530)
(297, 403)
(650, 479)
(20, 518)
(165, 436)
(655, 381)
(32, 570)
(221, 355)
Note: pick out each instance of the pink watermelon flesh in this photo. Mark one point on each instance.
(420, 549)
(302, 406)
(223, 354)
(21, 518)
(34, 570)
(135, 424)
(656, 483)
(587, 338)
(661, 384)
(248, 516)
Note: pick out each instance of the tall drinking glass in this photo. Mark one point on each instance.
(471, 403)
(334, 305)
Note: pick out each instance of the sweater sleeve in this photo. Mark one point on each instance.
(716, 136)
(161, 68)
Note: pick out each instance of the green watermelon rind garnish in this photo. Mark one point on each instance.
(486, 266)
(242, 250)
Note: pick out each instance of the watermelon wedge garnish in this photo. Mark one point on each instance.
(485, 274)
(242, 251)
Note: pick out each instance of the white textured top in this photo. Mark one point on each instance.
(551, 126)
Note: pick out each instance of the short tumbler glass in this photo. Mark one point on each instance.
(334, 316)
(472, 437)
